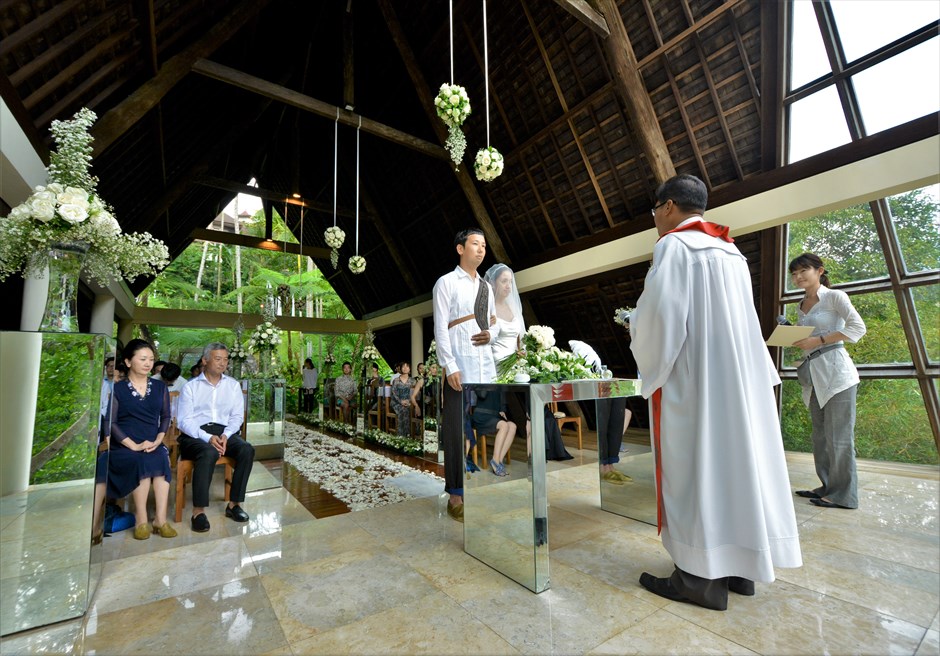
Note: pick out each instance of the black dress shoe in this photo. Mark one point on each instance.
(807, 494)
(200, 523)
(236, 513)
(661, 587)
(741, 586)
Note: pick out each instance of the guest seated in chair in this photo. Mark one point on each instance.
(139, 418)
(489, 418)
(345, 390)
(210, 416)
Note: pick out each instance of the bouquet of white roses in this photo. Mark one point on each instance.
(329, 358)
(622, 316)
(453, 107)
(264, 337)
(488, 164)
(238, 353)
(334, 238)
(68, 211)
(370, 352)
(357, 264)
(543, 361)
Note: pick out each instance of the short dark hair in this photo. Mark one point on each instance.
(463, 235)
(108, 359)
(170, 372)
(375, 366)
(686, 191)
(347, 362)
(158, 363)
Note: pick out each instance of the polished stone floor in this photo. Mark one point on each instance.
(395, 580)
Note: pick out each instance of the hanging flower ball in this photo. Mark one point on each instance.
(452, 104)
(357, 264)
(334, 237)
(488, 164)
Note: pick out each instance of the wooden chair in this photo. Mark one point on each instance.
(184, 472)
(391, 417)
(481, 445)
(172, 433)
(376, 416)
(567, 420)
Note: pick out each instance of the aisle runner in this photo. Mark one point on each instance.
(358, 477)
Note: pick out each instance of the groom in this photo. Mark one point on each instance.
(464, 325)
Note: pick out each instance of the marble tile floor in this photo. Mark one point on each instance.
(395, 580)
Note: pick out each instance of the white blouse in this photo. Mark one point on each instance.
(507, 342)
(833, 370)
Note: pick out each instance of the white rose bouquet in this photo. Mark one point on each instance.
(453, 107)
(68, 211)
(264, 337)
(357, 264)
(238, 353)
(488, 164)
(543, 361)
(370, 352)
(334, 238)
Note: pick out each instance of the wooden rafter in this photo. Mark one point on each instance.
(546, 60)
(772, 78)
(679, 38)
(623, 66)
(220, 237)
(586, 14)
(118, 120)
(426, 98)
(294, 99)
(310, 205)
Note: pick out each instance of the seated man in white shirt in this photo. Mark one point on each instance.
(210, 416)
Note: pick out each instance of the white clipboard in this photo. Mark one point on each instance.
(787, 335)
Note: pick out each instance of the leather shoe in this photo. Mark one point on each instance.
(807, 494)
(741, 586)
(142, 531)
(165, 531)
(823, 503)
(661, 587)
(455, 511)
(236, 513)
(200, 523)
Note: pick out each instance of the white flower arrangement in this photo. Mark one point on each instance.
(542, 361)
(432, 354)
(238, 353)
(488, 164)
(329, 358)
(357, 264)
(622, 316)
(453, 107)
(370, 352)
(264, 337)
(67, 210)
(334, 237)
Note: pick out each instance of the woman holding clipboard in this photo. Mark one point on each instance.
(829, 380)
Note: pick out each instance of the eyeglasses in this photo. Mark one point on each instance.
(657, 206)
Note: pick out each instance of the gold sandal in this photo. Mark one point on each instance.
(165, 531)
(142, 531)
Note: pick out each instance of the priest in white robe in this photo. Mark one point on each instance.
(725, 510)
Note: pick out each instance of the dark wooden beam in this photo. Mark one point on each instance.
(585, 13)
(314, 106)
(206, 319)
(248, 241)
(309, 205)
(37, 26)
(623, 65)
(117, 121)
(426, 98)
(349, 87)
(773, 75)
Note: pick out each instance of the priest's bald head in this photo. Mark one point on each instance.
(677, 199)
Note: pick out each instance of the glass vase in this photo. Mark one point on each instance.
(264, 362)
(236, 369)
(64, 266)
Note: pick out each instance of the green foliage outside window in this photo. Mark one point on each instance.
(892, 422)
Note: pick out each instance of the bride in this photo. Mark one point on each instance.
(508, 311)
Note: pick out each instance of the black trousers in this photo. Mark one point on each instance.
(452, 439)
(204, 457)
(610, 414)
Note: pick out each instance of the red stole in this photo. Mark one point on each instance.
(709, 228)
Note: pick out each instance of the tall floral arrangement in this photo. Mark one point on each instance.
(68, 210)
(542, 361)
(266, 335)
(453, 107)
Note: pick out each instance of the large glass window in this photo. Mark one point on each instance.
(880, 88)
(845, 239)
(817, 124)
(916, 217)
(808, 59)
(870, 24)
(927, 304)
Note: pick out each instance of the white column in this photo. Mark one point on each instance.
(417, 343)
(19, 378)
(102, 315)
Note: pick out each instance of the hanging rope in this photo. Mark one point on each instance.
(335, 150)
(450, 23)
(357, 184)
(486, 76)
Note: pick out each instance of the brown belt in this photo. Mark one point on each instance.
(457, 322)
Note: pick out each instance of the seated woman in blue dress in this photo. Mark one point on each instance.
(140, 416)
